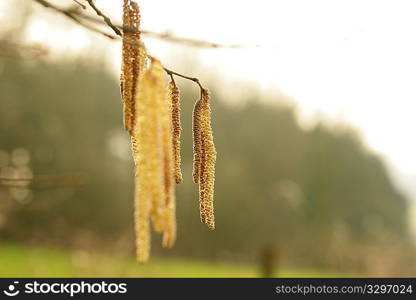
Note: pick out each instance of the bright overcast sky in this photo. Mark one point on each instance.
(346, 60)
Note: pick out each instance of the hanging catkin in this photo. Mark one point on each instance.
(176, 129)
(169, 234)
(152, 118)
(150, 187)
(156, 153)
(205, 157)
(133, 60)
(196, 132)
(141, 216)
(209, 156)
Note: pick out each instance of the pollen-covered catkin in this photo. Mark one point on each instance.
(142, 176)
(141, 216)
(154, 127)
(174, 100)
(196, 132)
(147, 145)
(133, 61)
(152, 117)
(169, 232)
(204, 158)
(208, 160)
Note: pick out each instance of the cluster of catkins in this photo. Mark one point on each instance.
(152, 118)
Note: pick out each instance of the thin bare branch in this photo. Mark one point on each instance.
(107, 20)
(73, 15)
(191, 42)
(167, 36)
(76, 16)
(194, 79)
(118, 29)
(80, 4)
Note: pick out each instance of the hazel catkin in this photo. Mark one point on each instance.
(151, 113)
(204, 158)
(133, 62)
(149, 156)
(176, 129)
(196, 134)
(169, 230)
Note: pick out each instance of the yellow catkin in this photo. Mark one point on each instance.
(142, 176)
(207, 164)
(196, 132)
(141, 216)
(152, 118)
(147, 145)
(174, 99)
(201, 181)
(154, 127)
(169, 234)
(132, 62)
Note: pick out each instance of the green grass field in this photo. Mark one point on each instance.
(20, 261)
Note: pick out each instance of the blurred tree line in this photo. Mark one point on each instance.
(318, 194)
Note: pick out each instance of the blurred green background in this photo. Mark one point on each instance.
(289, 201)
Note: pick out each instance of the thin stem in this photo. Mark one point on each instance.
(194, 79)
(118, 28)
(71, 14)
(107, 20)
(172, 79)
(80, 4)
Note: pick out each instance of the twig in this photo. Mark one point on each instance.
(194, 79)
(167, 36)
(118, 28)
(80, 4)
(172, 79)
(192, 42)
(107, 20)
(71, 14)
(171, 73)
